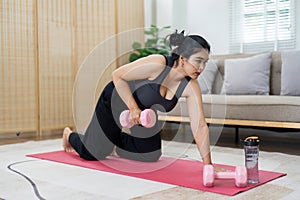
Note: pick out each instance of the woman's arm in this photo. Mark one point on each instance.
(197, 120)
(145, 68)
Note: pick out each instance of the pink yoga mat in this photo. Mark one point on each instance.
(180, 172)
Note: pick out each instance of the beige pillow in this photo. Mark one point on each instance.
(247, 76)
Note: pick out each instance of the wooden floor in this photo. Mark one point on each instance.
(275, 140)
(12, 138)
(271, 140)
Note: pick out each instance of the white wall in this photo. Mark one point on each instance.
(209, 18)
(206, 18)
(149, 15)
(164, 12)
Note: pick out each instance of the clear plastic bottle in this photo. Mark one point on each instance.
(251, 147)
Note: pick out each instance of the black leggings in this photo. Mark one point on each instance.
(104, 133)
(96, 145)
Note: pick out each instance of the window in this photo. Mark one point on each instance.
(262, 25)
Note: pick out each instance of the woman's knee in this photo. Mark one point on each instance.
(152, 157)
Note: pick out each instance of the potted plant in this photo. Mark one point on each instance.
(154, 44)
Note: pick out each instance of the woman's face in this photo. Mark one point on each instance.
(196, 63)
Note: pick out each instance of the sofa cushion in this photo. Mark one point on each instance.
(207, 77)
(247, 76)
(246, 107)
(254, 107)
(290, 73)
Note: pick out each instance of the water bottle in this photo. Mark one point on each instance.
(251, 147)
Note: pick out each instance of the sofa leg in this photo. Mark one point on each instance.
(236, 135)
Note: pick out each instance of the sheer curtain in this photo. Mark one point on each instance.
(262, 25)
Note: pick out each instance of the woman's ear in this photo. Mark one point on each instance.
(181, 60)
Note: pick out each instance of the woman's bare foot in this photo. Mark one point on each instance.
(114, 152)
(66, 145)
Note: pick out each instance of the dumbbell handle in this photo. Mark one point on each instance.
(225, 175)
(147, 117)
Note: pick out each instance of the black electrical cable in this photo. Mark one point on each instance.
(27, 178)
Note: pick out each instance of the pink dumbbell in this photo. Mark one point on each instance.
(240, 176)
(147, 117)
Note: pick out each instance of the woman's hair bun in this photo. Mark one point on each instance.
(176, 38)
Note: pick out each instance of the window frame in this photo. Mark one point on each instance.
(237, 30)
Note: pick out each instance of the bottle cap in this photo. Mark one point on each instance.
(251, 141)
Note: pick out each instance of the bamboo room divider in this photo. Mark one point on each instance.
(43, 44)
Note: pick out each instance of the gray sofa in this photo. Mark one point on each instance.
(268, 110)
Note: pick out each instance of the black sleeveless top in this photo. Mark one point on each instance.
(147, 92)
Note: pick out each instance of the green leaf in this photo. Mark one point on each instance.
(152, 45)
(166, 27)
(133, 57)
(136, 45)
(163, 52)
(144, 54)
(148, 32)
(151, 50)
(140, 50)
(151, 42)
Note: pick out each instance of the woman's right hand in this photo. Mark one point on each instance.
(135, 115)
(220, 169)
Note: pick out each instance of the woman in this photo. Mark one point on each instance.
(154, 82)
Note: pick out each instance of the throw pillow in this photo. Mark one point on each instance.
(247, 76)
(290, 71)
(207, 76)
